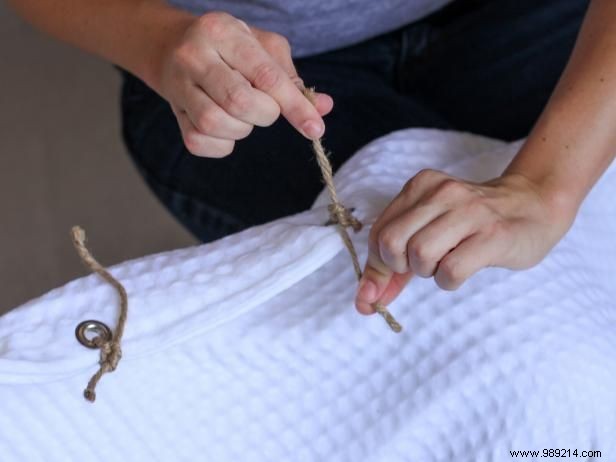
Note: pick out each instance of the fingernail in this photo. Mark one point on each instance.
(313, 129)
(367, 291)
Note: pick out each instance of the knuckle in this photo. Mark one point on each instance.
(373, 237)
(419, 253)
(207, 121)
(497, 228)
(298, 81)
(237, 99)
(245, 26)
(389, 242)
(247, 131)
(216, 151)
(474, 206)
(215, 24)
(450, 274)
(426, 175)
(224, 150)
(419, 182)
(267, 77)
(421, 259)
(451, 187)
(183, 57)
(199, 146)
(193, 143)
(410, 186)
(483, 212)
(447, 191)
(245, 51)
(272, 117)
(276, 41)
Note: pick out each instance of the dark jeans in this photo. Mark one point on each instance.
(484, 66)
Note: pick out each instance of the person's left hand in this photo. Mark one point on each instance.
(443, 227)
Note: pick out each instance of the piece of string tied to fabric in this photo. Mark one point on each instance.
(342, 216)
(109, 342)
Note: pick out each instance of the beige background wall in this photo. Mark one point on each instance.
(62, 162)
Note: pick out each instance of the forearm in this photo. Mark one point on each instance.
(574, 140)
(130, 33)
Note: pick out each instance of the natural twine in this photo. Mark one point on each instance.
(110, 350)
(343, 217)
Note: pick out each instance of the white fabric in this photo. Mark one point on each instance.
(249, 348)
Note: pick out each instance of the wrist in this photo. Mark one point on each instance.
(555, 195)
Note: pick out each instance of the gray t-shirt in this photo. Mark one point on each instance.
(313, 26)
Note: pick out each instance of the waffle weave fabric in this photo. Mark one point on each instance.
(249, 348)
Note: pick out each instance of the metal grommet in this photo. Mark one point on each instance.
(101, 332)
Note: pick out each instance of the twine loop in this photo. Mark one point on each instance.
(111, 353)
(110, 350)
(339, 214)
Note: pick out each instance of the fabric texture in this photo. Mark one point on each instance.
(249, 348)
(315, 26)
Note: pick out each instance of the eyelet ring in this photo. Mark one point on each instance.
(101, 331)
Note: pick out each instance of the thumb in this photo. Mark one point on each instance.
(378, 284)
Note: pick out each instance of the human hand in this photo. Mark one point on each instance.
(223, 77)
(443, 227)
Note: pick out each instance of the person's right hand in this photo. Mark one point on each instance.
(223, 77)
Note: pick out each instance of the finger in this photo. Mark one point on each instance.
(380, 281)
(375, 279)
(424, 198)
(200, 144)
(278, 47)
(472, 254)
(386, 290)
(265, 74)
(233, 93)
(378, 284)
(413, 191)
(210, 119)
(377, 275)
(405, 199)
(397, 283)
(394, 236)
(428, 246)
(323, 103)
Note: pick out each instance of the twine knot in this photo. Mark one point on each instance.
(110, 349)
(111, 353)
(339, 214)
